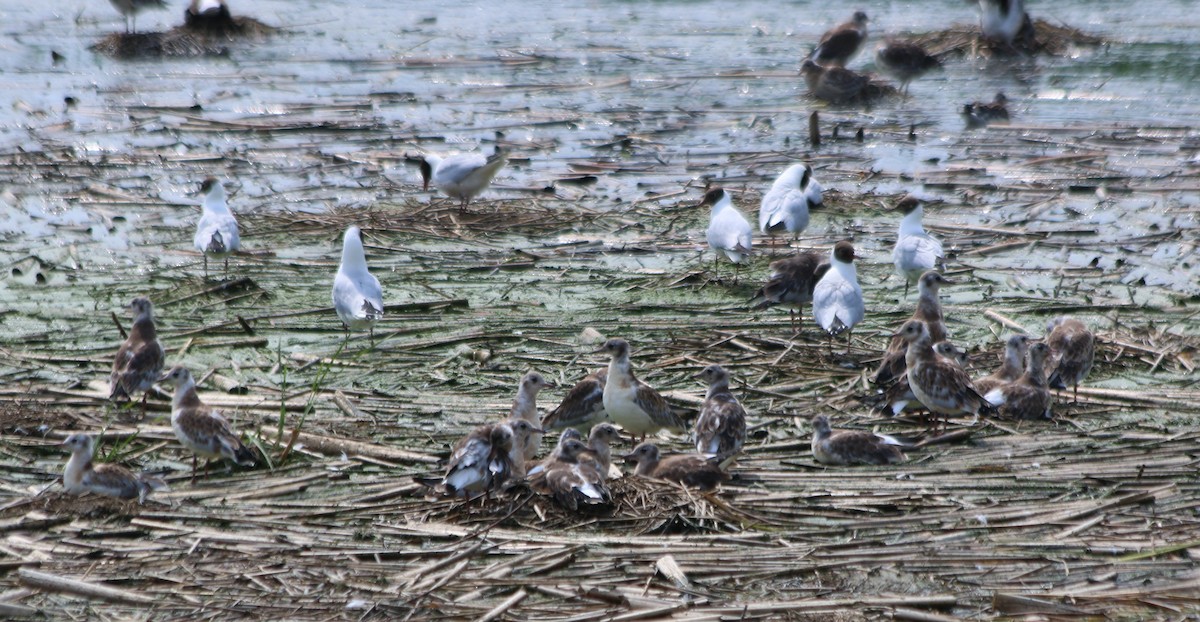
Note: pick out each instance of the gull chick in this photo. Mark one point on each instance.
(982, 114)
(728, 230)
(217, 230)
(200, 428)
(583, 407)
(631, 403)
(140, 358)
(846, 447)
(840, 44)
(942, 386)
(1027, 397)
(792, 281)
(1012, 365)
(691, 470)
(904, 61)
(461, 176)
(785, 206)
(524, 407)
(721, 428)
(357, 296)
(110, 480)
(481, 461)
(899, 397)
(572, 480)
(915, 251)
(929, 310)
(1073, 348)
(838, 298)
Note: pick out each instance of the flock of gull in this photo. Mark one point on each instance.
(921, 369)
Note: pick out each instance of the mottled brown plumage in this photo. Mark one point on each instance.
(572, 479)
(899, 396)
(524, 407)
(904, 61)
(1073, 350)
(939, 384)
(691, 470)
(1012, 365)
(929, 311)
(721, 428)
(112, 480)
(841, 43)
(1027, 397)
(583, 407)
(139, 361)
(631, 403)
(982, 114)
(199, 427)
(850, 447)
(792, 281)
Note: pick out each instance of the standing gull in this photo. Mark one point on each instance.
(728, 231)
(850, 447)
(904, 61)
(462, 176)
(524, 407)
(929, 310)
(838, 298)
(899, 397)
(217, 230)
(583, 407)
(1027, 397)
(940, 384)
(1073, 348)
(785, 206)
(199, 427)
(840, 44)
(631, 403)
(357, 297)
(130, 9)
(140, 358)
(792, 280)
(721, 428)
(915, 251)
(110, 480)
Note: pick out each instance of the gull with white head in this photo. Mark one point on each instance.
(357, 296)
(217, 230)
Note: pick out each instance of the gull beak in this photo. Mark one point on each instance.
(163, 378)
(946, 281)
(551, 385)
(598, 351)
(628, 458)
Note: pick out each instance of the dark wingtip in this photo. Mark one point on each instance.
(1056, 382)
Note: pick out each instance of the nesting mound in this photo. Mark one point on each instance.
(201, 38)
(640, 506)
(1042, 38)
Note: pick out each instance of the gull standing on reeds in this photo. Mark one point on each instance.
(915, 251)
(929, 310)
(692, 470)
(110, 480)
(524, 407)
(1027, 397)
(1073, 348)
(217, 230)
(199, 427)
(838, 298)
(899, 397)
(631, 403)
(785, 206)
(583, 407)
(357, 296)
(462, 176)
(1012, 365)
(728, 233)
(941, 385)
(130, 9)
(841, 43)
(140, 359)
(792, 281)
(721, 427)
(847, 447)
(904, 61)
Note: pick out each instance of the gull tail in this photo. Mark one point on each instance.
(216, 244)
(837, 327)
(370, 311)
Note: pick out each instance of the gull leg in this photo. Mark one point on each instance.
(226, 267)
(205, 255)
(193, 469)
